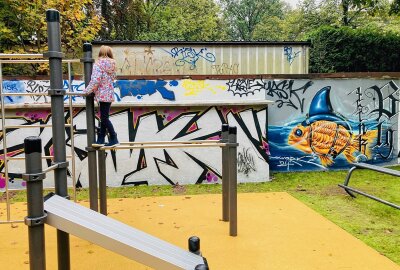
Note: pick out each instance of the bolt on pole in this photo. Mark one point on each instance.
(34, 190)
(58, 124)
(90, 127)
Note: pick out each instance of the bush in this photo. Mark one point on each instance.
(353, 50)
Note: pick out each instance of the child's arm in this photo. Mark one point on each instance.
(94, 80)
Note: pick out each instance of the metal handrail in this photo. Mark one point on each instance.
(36, 61)
(170, 142)
(20, 55)
(124, 147)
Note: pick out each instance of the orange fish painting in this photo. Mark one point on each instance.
(327, 134)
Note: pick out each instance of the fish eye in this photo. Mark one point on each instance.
(298, 132)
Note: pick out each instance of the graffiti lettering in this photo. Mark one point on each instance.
(290, 55)
(38, 87)
(246, 162)
(188, 55)
(224, 68)
(138, 88)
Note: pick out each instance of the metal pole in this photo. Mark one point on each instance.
(71, 115)
(3, 123)
(34, 190)
(57, 111)
(225, 173)
(233, 182)
(90, 126)
(102, 181)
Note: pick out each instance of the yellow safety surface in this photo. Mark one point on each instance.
(275, 232)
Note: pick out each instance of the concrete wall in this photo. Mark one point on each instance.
(341, 120)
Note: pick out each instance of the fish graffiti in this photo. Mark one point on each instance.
(327, 134)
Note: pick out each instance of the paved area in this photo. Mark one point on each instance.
(275, 232)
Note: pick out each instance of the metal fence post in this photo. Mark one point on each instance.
(233, 181)
(102, 181)
(58, 121)
(90, 127)
(225, 173)
(34, 190)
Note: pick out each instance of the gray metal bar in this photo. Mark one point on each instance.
(72, 134)
(233, 181)
(102, 181)
(377, 168)
(23, 158)
(123, 147)
(370, 196)
(36, 61)
(75, 94)
(34, 126)
(170, 142)
(57, 110)
(34, 192)
(225, 173)
(346, 181)
(3, 122)
(90, 126)
(20, 55)
(24, 94)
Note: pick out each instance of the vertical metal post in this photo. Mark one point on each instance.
(34, 191)
(71, 133)
(57, 112)
(3, 123)
(102, 181)
(225, 173)
(233, 181)
(90, 128)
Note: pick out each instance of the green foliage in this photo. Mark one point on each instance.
(23, 27)
(354, 50)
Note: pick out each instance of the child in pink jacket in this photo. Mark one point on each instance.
(101, 84)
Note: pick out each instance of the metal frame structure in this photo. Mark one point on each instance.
(229, 145)
(16, 59)
(375, 168)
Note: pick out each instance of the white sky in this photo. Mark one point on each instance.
(293, 3)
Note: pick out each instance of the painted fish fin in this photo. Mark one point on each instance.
(348, 152)
(326, 160)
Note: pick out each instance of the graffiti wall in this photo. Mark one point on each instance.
(313, 124)
(327, 124)
(208, 58)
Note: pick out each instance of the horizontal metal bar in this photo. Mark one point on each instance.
(11, 222)
(75, 94)
(36, 61)
(50, 168)
(170, 142)
(32, 126)
(24, 94)
(43, 157)
(121, 147)
(20, 55)
(370, 196)
(377, 168)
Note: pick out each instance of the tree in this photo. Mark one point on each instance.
(243, 16)
(23, 26)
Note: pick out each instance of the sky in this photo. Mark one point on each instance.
(293, 3)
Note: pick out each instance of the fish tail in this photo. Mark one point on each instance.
(366, 140)
(326, 161)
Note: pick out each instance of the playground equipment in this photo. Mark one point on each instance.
(360, 165)
(229, 145)
(87, 224)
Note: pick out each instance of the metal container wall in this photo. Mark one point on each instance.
(202, 58)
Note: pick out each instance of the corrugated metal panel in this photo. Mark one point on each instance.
(209, 59)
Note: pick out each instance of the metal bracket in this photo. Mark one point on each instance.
(87, 60)
(61, 164)
(91, 149)
(53, 54)
(31, 177)
(56, 92)
(36, 221)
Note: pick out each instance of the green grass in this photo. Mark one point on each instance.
(373, 223)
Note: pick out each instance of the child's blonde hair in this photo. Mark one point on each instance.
(106, 52)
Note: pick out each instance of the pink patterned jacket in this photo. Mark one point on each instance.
(101, 82)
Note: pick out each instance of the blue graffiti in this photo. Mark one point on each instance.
(290, 55)
(187, 55)
(138, 88)
(13, 87)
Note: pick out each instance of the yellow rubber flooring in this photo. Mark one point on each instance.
(275, 232)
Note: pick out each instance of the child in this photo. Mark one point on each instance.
(101, 83)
